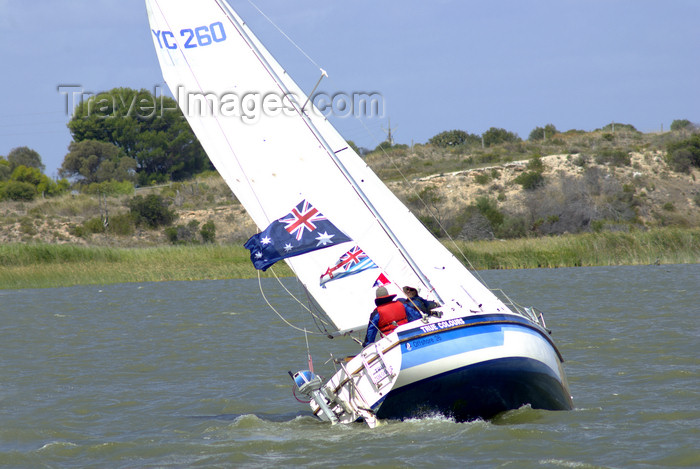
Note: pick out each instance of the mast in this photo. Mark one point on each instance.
(238, 23)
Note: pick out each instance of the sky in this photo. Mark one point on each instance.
(438, 65)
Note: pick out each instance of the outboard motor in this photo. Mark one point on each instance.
(306, 382)
(310, 384)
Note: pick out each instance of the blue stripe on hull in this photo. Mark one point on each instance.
(482, 391)
(444, 344)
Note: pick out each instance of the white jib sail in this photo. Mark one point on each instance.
(232, 92)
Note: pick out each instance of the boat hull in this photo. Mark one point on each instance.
(479, 391)
(476, 367)
(464, 368)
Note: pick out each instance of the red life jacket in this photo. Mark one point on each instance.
(388, 313)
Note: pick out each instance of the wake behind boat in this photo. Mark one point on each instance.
(323, 211)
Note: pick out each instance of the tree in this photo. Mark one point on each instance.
(27, 174)
(149, 129)
(25, 156)
(90, 161)
(452, 138)
(5, 169)
(542, 133)
(681, 124)
(494, 136)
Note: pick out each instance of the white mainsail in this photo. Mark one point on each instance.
(277, 155)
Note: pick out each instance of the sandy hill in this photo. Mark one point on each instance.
(576, 191)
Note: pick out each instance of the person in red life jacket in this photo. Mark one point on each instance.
(388, 315)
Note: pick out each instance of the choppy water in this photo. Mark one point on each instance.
(193, 374)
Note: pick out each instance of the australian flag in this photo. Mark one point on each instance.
(303, 230)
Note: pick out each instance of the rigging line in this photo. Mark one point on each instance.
(428, 208)
(295, 298)
(262, 292)
(316, 317)
(286, 36)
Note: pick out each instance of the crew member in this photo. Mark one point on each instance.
(421, 304)
(388, 315)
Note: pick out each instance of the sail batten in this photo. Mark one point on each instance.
(274, 160)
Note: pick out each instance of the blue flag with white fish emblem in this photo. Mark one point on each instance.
(303, 230)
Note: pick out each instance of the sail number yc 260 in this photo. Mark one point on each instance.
(201, 36)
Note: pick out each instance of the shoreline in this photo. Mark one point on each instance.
(25, 266)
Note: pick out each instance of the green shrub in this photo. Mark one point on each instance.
(530, 180)
(613, 157)
(512, 227)
(151, 210)
(489, 209)
(581, 160)
(680, 160)
(182, 234)
(5, 169)
(111, 188)
(452, 138)
(17, 190)
(482, 178)
(683, 155)
(542, 133)
(617, 127)
(494, 136)
(94, 225)
(208, 232)
(78, 231)
(121, 224)
(536, 163)
(171, 234)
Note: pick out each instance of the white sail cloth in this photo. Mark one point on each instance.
(234, 96)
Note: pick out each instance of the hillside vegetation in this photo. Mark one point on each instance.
(573, 182)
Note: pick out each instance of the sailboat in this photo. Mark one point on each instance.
(316, 203)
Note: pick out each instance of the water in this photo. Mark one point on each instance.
(193, 374)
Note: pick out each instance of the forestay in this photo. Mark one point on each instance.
(273, 155)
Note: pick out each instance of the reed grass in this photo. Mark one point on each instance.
(660, 246)
(49, 265)
(46, 265)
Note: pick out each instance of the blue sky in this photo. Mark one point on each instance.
(439, 64)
